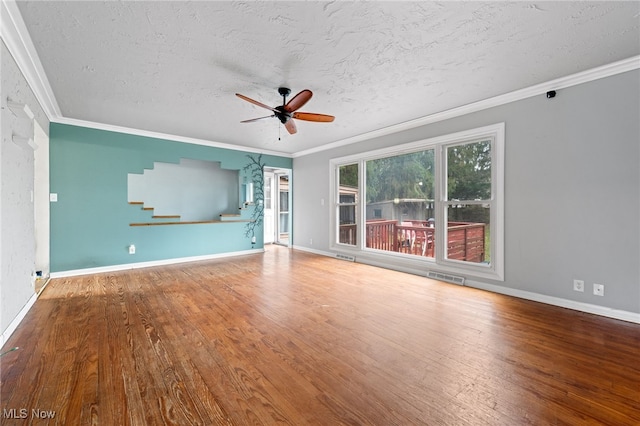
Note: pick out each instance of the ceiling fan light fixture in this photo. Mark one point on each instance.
(287, 111)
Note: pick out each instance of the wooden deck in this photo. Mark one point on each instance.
(299, 339)
(465, 241)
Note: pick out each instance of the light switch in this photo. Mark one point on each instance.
(53, 197)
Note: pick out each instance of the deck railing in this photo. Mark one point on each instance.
(381, 235)
(466, 241)
(348, 233)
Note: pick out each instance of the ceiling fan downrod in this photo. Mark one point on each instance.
(282, 115)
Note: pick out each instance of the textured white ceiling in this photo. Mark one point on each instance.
(174, 67)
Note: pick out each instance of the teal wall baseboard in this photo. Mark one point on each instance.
(124, 267)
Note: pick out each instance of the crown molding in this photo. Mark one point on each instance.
(17, 39)
(165, 136)
(608, 70)
(15, 35)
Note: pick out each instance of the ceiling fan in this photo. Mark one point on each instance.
(289, 110)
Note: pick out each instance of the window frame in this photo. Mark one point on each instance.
(495, 269)
(336, 216)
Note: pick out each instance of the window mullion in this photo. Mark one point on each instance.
(361, 210)
(440, 209)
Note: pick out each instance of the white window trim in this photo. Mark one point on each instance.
(335, 241)
(495, 270)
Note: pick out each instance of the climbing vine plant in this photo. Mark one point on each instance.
(254, 171)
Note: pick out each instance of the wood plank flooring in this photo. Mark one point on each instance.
(297, 339)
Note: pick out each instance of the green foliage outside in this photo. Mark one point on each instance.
(349, 175)
(401, 176)
(469, 171)
(412, 176)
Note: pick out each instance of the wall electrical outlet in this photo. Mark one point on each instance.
(132, 249)
(598, 289)
(578, 285)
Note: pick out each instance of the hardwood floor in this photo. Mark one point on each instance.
(293, 338)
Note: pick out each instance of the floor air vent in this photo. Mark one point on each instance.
(345, 257)
(454, 279)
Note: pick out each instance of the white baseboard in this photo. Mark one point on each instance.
(138, 265)
(558, 301)
(23, 312)
(17, 320)
(536, 297)
(309, 250)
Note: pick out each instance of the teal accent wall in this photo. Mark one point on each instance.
(90, 221)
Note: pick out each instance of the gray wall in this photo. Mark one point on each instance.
(572, 190)
(17, 238)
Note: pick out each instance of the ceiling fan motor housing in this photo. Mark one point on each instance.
(281, 114)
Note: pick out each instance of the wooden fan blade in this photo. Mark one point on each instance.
(260, 104)
(291, 127)
(298, 101)
(312, 116)
(256, 119)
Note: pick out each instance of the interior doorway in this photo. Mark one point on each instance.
(277, 206)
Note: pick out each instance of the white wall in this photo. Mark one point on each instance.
(17, 235)
(572, 191)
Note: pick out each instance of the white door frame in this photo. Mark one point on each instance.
(270, 207)
(278, 235)
(272, 229)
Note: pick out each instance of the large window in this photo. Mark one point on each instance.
(437, 201)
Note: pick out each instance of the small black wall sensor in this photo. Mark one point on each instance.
(551, 94)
